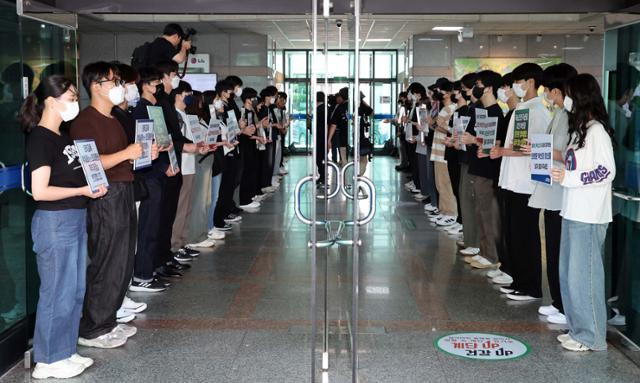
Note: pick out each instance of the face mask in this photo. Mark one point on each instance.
(478, 91)
(188, 100)
(438, 97)
(546, 98)
(131, 94)
(116, 95)
(254, 104)
(412, 97)
(502, 95)
(159, 88)
(71, 110)
(519, 90)
(218, 104)
(238, 91)
(466, 96)
(568, 104)
(175, 81)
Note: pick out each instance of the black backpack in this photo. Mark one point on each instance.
(140, 57)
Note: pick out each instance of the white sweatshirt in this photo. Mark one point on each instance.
(590, 171)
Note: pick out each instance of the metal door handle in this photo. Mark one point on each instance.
(372, 201)
(343, 174)
(337, 178)
(297, 202)
(626, 197)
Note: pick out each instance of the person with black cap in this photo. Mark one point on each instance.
(340, 123)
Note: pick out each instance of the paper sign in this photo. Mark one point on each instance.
(159, 126)
(408, 129)
(487, 128)
(91, 165)
(173, 160)
(481, 113)
(233, 129)
(260, 133)
(423, 120)
(520, 128)
(198, 134)
(460, 128)
(541, 158)
(213, 132)
(144, 136)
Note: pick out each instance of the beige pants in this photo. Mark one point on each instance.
(446, 198)
(487, 217)
(180, 226)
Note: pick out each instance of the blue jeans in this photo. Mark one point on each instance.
(60, 244)
(215, 188)
(582, 282)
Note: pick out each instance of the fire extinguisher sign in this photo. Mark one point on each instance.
(482, 346)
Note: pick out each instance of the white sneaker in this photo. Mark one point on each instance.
(493, 273)
(470, 251)
(518, 296)
(204, 244)
(216, 235)
(415, 190)
(573, 345)
(429, 207)
(482, 263)
(502, 279)
(557, 318)
(435, 218)
(269, 189)
(86, 362)
(124, 330)
(506, 290)
(283, 171)
(420, 197)
(62, 369)
(563, 338)
(618, 319)
(409, 185)
(259, 197)
(547, 310)
(460, 243)
(252, 205)
(133, 306)
(109, 340)
(446, 220)
(475, 258)
(456, 227)
(124, 316)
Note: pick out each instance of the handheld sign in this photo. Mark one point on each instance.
(487, 129)
(213, 132)
(144, 136)
(198, 134)
(173, 160)
(541, 158)
(233, 128)
(460, 128)
(520, 128)
(481, 113)
(91, 165)
(423, 120)
(159, 126)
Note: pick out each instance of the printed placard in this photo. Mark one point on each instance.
(233, 128)
(173, 160)
(423, 120)
(260, 132)
(481, 113)
(144, 136)
(159, 126)
(198, 134)
(460, 127)
(487, 129)
(480, 346)
(541, 158)
(213, 132)
(520, 128)
(91, 165)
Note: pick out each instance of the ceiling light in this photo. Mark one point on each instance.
(447, 29)
(572, 48)
(378, 40)
(429, 39)
(299, 40)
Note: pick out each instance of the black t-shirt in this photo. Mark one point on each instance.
(486, 167)
(341, 121)
(127, 122)
(160, 50)
(46, 148)
(465, 111)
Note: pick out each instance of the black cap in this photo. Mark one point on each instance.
(344, 93)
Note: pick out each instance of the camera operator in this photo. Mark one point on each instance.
(172, 45)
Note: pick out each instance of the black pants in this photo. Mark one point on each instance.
(225, 204)
(150, 214)
(261, 157)
(453, 166)
(413, 164)
(320, 154)
(172, 187)
(249, 176)
(111, 226)
(505, 222)
(523, 241)
(267, 165)
(552, 230)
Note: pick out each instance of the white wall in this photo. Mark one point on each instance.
(433, 59)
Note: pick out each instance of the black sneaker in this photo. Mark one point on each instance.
(191, 252)
(233, 218)
(226, 227)
(181, 256)
(167, 272)
(177, 266)
(147, 287)
(162, 282)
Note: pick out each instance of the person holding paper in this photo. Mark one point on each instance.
(483, 173)
(523, 237)
(586, 178)
(549, 197)
(249, 150)
(60, 190)
(419, 143)
(339, 125)
(267, 116)
(395, 122)
(111, 221)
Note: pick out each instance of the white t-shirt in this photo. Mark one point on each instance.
(188, 159)
(438, 147)
(590, 171)
(515, 172)
(549, 197)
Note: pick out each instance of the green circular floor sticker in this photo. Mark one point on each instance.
(482, 346)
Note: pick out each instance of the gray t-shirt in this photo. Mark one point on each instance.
(545, 196)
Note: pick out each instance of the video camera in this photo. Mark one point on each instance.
(187, 37)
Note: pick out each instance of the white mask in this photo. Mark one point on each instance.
(116, 95)
(71, 111)
(238, 91)
(519, 90)
(175, 82)
(412, 97)
(568, 103)
(131, 94)
(218, 104)
(502, 95)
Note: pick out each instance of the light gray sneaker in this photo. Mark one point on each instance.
(86, 362)
(62, 369)
(124, 330)
(109, 340)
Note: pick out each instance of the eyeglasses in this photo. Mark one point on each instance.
(116, 81)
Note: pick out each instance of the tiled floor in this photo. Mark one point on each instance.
(242, 313)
